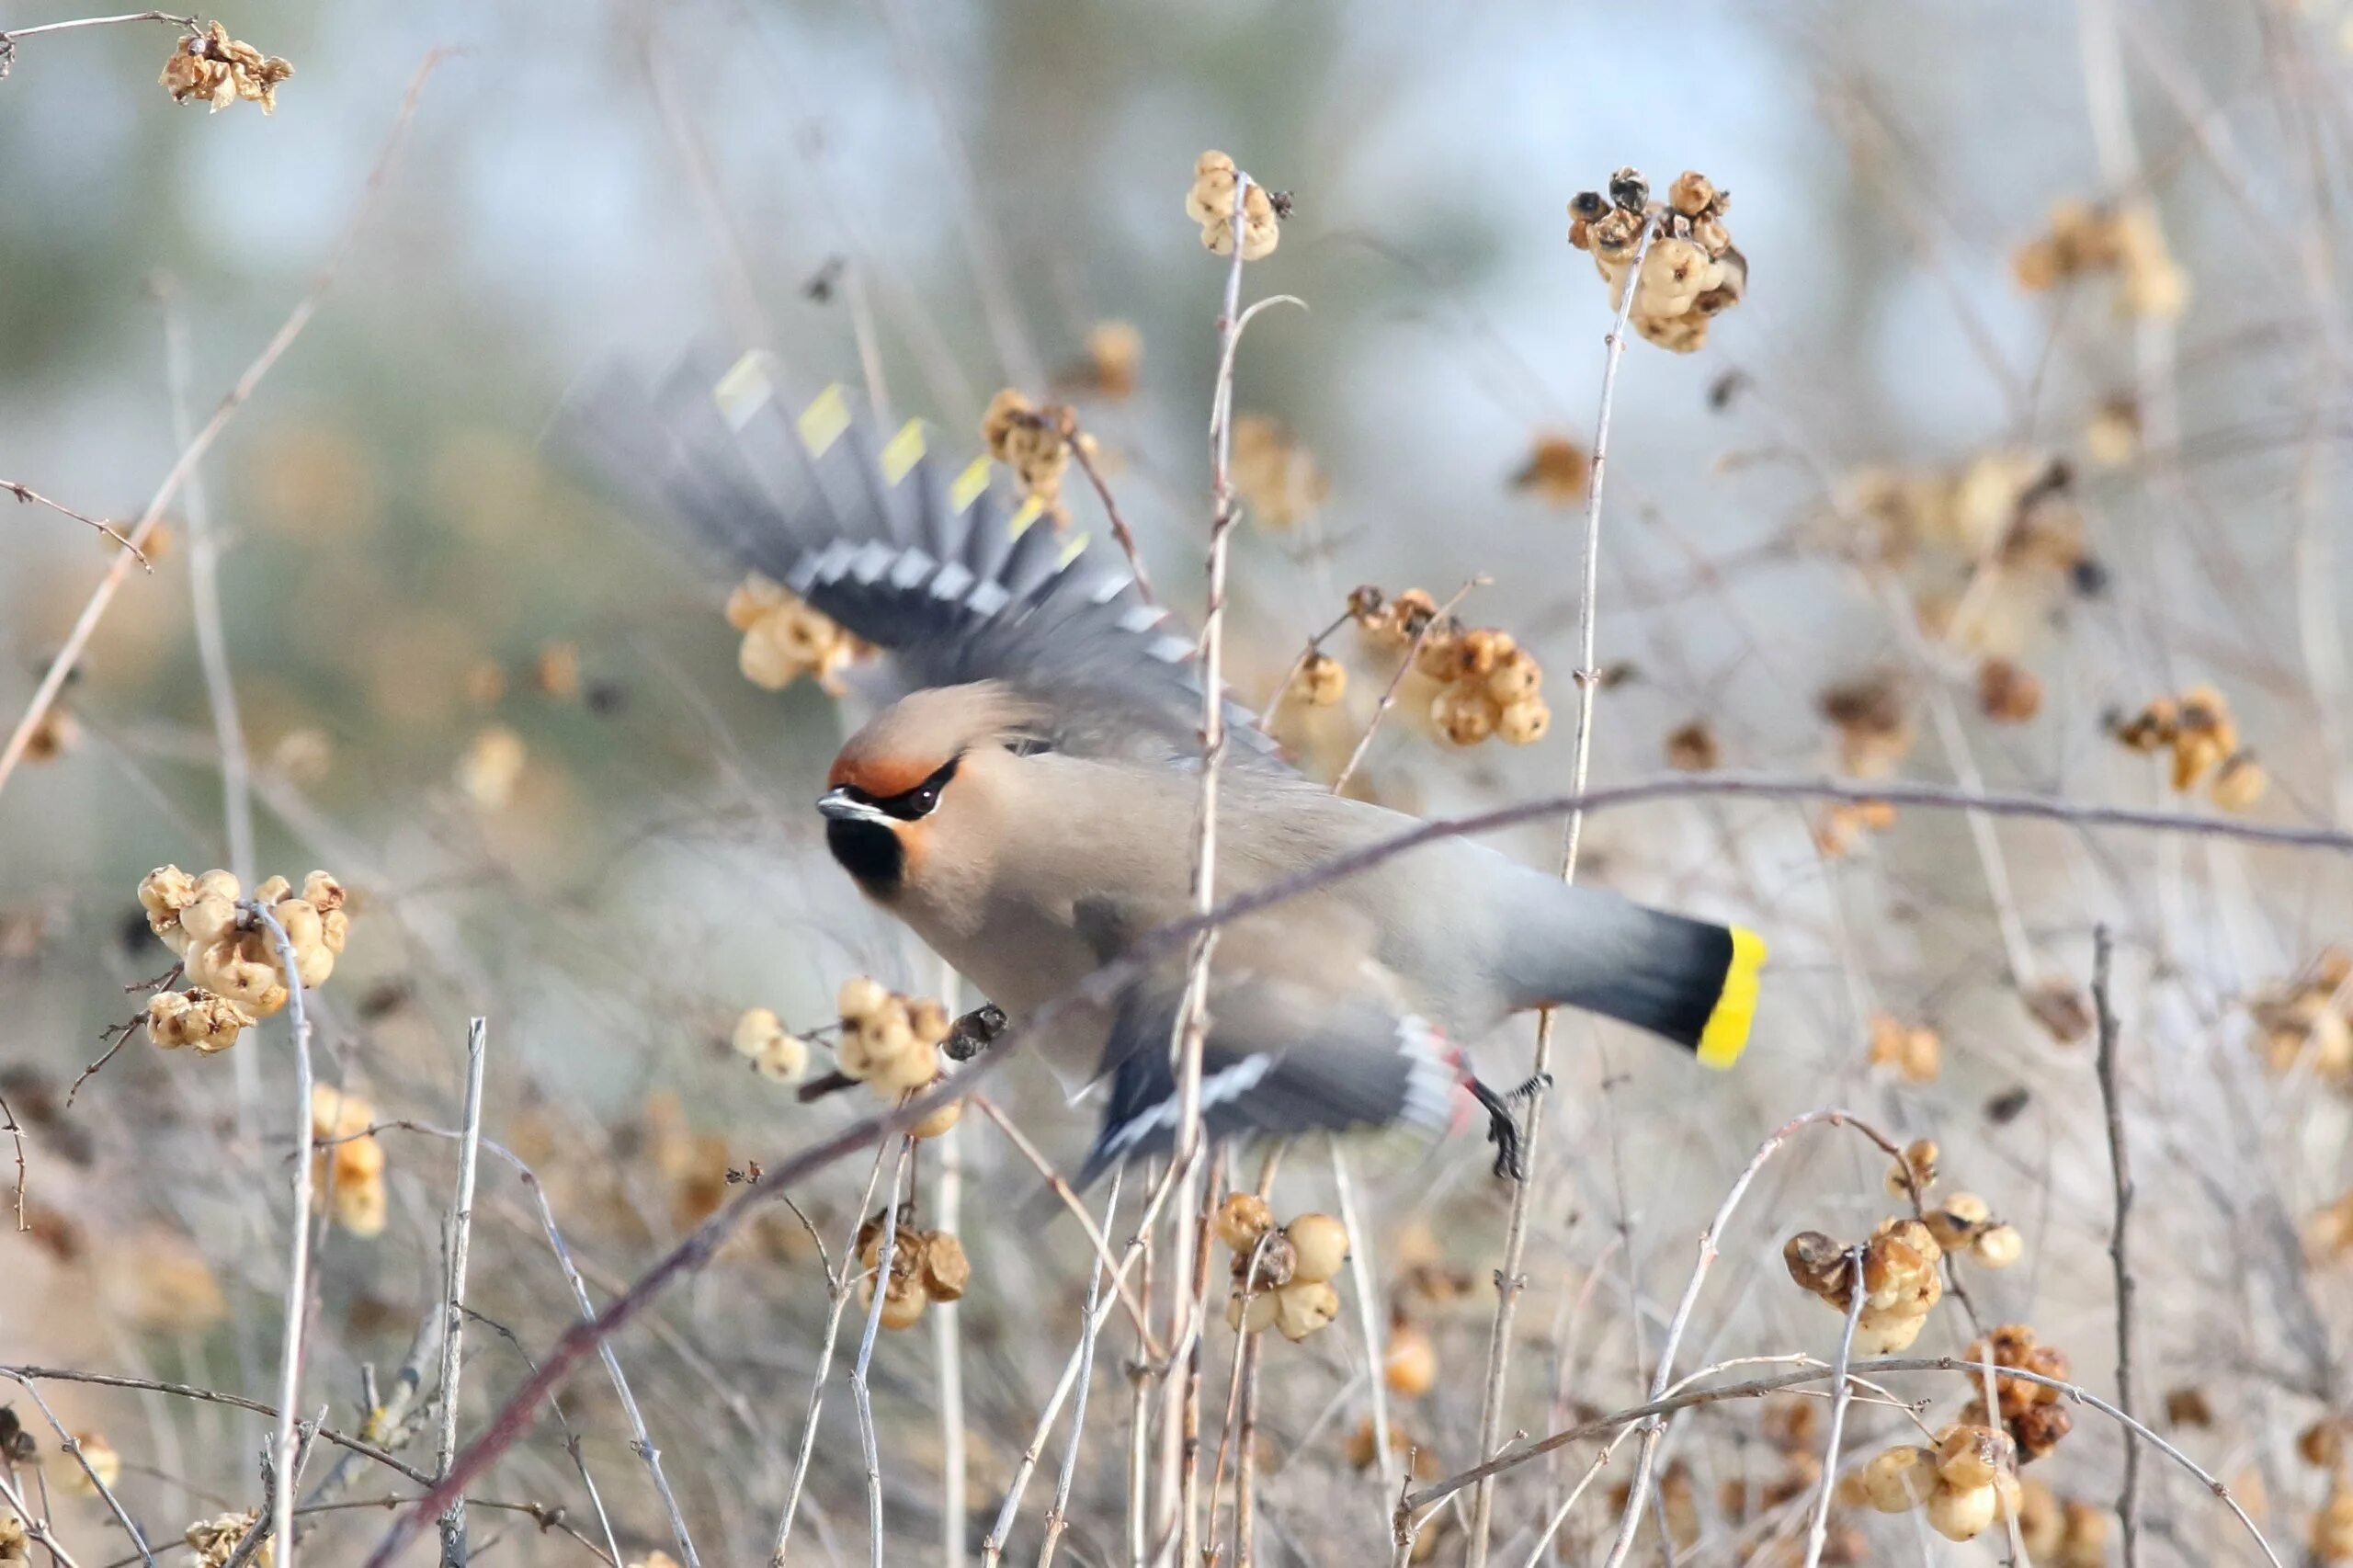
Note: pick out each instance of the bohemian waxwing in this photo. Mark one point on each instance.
(1028, 806)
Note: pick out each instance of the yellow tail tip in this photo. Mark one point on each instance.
(1726, 1033)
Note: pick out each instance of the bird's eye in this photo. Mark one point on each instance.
(922, 801)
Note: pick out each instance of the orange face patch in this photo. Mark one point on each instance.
(880, 777)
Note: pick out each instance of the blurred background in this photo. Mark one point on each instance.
(1924, 467)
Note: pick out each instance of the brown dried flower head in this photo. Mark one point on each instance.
(211, 67)
(1210, 203)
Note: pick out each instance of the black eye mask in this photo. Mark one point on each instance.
(911, 805)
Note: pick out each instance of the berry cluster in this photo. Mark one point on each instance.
(776, 1054)
(925, 1266)
(2123, 242)
(1035, 443)
(2031, 1412)
(1690, 274)
(350, 1160)
(785, 638)
(1280, 1277)
(212, 1542)
(1963, 1484)
(15, 1547)
(1488, 684)
(2311, 1019)
(1914, 1050)
(1210, 203)
(1900, 1281)
(230, 959)
(891, 1043)
(1873, 723)
(1277, 478)
(216, 69)
(2197, 727)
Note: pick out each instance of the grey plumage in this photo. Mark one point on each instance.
(1054, 722)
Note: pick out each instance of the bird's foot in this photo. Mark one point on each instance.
(1532, 1088)
(1502, 1130)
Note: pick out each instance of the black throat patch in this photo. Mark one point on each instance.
(870, 853)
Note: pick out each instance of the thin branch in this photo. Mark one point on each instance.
(612, 1552)
(72, 1445)
(213, 1397)
(947, 1325)
(453, 1298)
(8, 54)
(839, 1282)
(1059, 1514)
(298, 1268)
(2111, 1093)
(1646, 1454)
(1817, 1534)
(1119, 529)
(1138, 1249)
(1063, 1190)
(1360, 1275)
(69, 654)
(1192, 1015)
(1509, 1282)
(27, 493)
(860, 1392)
(17, 1136)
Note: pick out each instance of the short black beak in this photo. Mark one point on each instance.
(840, 805)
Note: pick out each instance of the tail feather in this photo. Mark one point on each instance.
(1689, 981)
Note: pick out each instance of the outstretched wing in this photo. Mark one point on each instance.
(956, 584)
(1282, 1057)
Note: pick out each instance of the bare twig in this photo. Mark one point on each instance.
(840, 1281)
(861, 1392)
(453, 1297)
(1137, 1250)
(1360, 1275)
(17, 1136)
(1646, 1454)
(27, 493)
(1192, 1016)
(1079, 448)
(1059, 1514)
(946, 1327)
(1817, 1534)
(2111, 1093)
(8, 45)
(1069, 1196)
(298, 1268)
(72, 1445)
(69, 654)
(1509, 1282)
(359, 1445)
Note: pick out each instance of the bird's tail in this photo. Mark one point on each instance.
(1692, 982)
